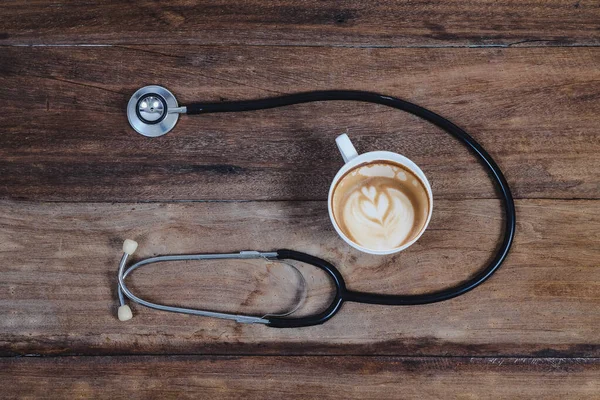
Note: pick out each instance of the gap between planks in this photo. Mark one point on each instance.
(519, 44)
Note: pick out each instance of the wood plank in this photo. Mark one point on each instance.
(59, 265)
(300, 378)
(351, 22)
(65, 136)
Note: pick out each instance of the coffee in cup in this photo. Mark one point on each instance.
(380, 205)
(379, 202)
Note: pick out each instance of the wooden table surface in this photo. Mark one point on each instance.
(75, 180)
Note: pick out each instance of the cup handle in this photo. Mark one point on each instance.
(346, 147)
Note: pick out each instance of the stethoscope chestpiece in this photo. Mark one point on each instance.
(152, 111)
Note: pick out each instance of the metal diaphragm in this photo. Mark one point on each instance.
(153, 111)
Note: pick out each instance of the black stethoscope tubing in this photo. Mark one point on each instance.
(342, 293)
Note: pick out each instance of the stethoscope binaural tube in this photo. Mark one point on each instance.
(342, 293)
(273, 320)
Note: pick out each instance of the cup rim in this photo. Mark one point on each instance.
(373, 156)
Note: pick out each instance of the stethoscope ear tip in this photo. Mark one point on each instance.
(129, 246)
(124, 313)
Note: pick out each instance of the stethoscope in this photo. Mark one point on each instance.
(153, 111)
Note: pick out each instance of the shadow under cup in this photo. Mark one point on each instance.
(380, 206)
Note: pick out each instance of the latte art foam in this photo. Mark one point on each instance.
(380, 205)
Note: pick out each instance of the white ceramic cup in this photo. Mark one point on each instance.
(352, 159)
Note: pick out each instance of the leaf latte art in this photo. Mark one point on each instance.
(380, 206)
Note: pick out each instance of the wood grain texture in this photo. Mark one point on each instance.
(59, 264)
(300, 378)
(314, 23)
(75, 181)
(65, 136)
